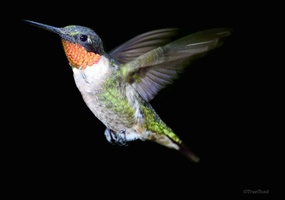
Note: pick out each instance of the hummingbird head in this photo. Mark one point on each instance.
(82, 46)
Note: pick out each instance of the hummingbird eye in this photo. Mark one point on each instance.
(83, 38)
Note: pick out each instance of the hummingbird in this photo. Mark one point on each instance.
(117, 86)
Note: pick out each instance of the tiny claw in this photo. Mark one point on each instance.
(118, 138)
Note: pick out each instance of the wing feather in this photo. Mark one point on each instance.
(142, 43)
(153, 70)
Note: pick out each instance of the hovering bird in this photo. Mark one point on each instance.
(118, 86)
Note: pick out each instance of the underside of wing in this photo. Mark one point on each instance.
(152, 71)
(154, 78)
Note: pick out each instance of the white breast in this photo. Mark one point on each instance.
(92, 76)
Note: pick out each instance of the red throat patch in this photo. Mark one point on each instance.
(77, 56)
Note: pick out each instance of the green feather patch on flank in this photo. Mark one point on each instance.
(114, 101)
(155, 124)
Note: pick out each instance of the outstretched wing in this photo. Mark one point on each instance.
(142, 44)
(152, 71)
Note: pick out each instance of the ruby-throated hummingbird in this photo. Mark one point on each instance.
(118, 86)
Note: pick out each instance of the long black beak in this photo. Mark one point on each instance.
(53, 29)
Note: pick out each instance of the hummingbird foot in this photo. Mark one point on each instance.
(118, 138)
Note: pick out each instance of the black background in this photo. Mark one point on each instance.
(227, 106)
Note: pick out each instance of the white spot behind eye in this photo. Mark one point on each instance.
(88, 40)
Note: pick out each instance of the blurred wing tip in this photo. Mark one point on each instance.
(225, 31)
(169, 29)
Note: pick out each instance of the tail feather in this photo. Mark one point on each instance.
(169, 142)
(188, 153)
